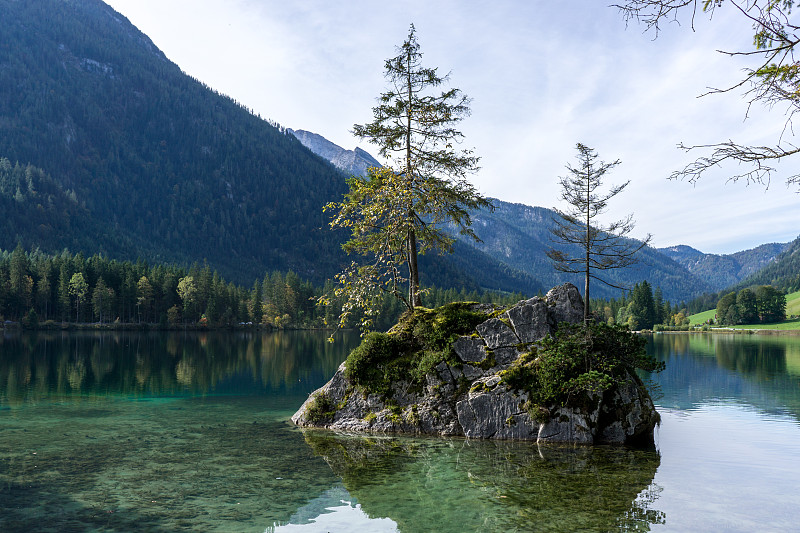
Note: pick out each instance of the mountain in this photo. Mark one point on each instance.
(352, 162)
(520, 235)
(107, 147)
(722, 271)
(166, 168)
(783, 272)
(517, 237)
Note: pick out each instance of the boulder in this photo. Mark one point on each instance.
(497, 334)
(471, 400)
(470, 349)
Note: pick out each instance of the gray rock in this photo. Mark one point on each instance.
(470, 349)
(506, 356)
(567, 425)
(566, 304)
(487, 409)
(496, 414)
(629, 414)
(497, 334)
(531, 320)
(471, 372)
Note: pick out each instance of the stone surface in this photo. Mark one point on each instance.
(506, 356)
(497, 334)
(498, 414)
(531, 320)
(565, 303)
(470, 349)
(466, 399)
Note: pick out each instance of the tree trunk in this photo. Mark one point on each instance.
(414, 297)
(588, 248)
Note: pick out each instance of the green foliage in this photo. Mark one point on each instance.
(399, 211)
(133, 158)
(767, 305)
(771, 304)
(747, 306)
(577, 361)
(369, 364)
(421, 340)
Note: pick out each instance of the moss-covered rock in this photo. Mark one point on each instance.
(478, 371)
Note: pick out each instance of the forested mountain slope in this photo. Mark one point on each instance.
(521, 235)
(518, 236)
(130, 157)
(172, 170)
(783, 272)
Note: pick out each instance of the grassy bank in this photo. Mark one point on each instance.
(792, 309)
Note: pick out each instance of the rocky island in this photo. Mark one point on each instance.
(529, 372)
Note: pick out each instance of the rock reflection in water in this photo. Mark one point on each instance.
(457, 485)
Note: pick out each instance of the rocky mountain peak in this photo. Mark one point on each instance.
(355, 162)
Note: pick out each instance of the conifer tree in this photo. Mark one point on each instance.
(601, 247)
(397, 212)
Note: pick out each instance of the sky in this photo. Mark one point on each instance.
(542, 76)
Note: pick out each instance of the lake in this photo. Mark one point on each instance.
(128, 431)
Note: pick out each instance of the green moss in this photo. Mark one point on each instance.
(411, 349)
(321, 409)
(395, 414)
(413, 416)
(370, 417)
(479, 386)
(462, 386)
(511, 421)
(489, 362)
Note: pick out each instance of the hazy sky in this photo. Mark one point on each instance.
(542, 76)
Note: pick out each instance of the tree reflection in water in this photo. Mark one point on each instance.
(458, 485)
(34, 366)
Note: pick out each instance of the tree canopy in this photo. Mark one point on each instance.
(400, 210)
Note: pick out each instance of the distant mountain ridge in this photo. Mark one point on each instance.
(133, 159)
(123, 154)
(783, 272)
(354, 162)
(722, 271)
(518, 236)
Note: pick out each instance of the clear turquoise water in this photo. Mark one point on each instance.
(166, 432)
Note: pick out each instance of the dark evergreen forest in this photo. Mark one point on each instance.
(37, 288)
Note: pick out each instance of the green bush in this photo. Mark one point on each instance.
(579, 360)
(368, 364)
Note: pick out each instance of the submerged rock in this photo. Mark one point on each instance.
(465, 395)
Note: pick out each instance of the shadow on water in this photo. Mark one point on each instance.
(457, 485)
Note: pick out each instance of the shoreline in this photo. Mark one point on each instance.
(133, 326)
(734, 331)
